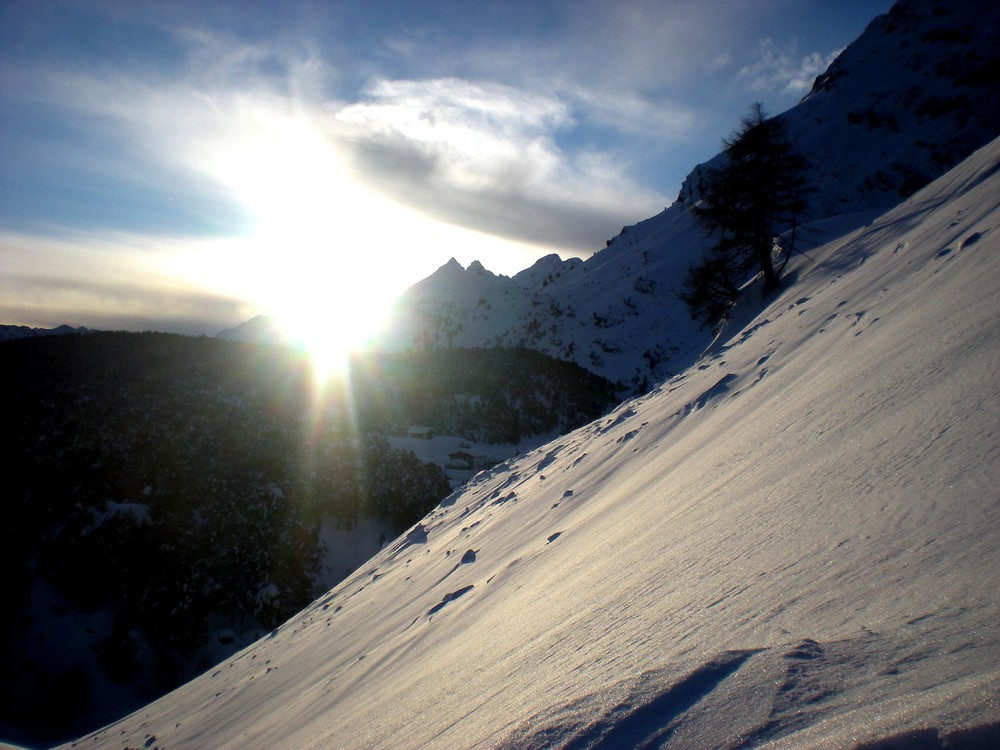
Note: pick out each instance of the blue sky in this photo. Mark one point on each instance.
(184, 165)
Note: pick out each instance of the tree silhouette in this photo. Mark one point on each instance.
(751, 205)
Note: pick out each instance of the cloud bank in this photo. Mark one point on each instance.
(105, 283)
(778, 69)
(486, 156)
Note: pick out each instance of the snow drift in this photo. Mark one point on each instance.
(792, 544)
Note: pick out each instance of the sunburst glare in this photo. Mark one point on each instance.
(325, 256)
(306, 264)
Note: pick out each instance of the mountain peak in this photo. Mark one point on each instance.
(11, 332)
(477, 267)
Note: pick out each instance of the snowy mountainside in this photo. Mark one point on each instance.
(788, 545)
(916, 93)
(472, 294)
(615, 314)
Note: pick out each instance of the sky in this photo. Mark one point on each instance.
(184, 166)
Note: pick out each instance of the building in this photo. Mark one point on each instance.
(468, 460)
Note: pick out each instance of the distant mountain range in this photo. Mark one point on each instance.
(9, 333)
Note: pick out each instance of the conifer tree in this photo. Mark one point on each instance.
(751, 205)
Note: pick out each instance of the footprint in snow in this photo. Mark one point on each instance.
(807, 650)
(753, 329)
(857, 319)
(417, 535)
(566, 494)
(448, 598)
(467, 559)
(506, 498)
(971, 240)
(626, 437)
(624, 416)
(549, 457)
(631, 434)
(721, 387)
(798, 302)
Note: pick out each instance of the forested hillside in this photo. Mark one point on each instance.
(180, 484)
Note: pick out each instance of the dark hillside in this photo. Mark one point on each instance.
(179, 484)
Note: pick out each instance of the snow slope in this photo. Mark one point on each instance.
(791, 544)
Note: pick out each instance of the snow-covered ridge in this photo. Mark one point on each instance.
(787, 544)
(915, 94)
(615, 314)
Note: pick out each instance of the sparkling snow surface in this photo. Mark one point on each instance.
(793, 542)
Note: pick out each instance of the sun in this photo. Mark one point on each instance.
(308, 262)
(329, 327)
(324, 252)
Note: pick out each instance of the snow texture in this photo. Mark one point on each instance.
(791, 544)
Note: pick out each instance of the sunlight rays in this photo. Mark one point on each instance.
(327, 255)
(305, 266)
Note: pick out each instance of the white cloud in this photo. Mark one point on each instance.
(779, 70)
(106, 281)
(723, 60)
(629, 113)
(487, 156)
(471, 135)
(483, 155)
